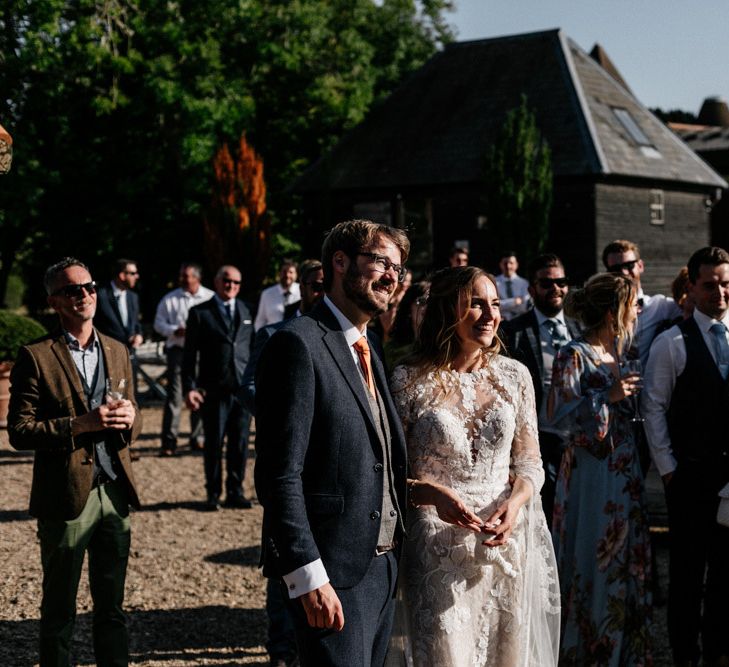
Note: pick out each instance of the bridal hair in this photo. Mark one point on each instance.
(437, 343)
(602, 294)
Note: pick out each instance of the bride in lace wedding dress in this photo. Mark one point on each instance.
(480, 582)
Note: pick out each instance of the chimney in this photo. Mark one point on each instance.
(714, 112)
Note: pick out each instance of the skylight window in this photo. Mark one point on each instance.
(630, 125)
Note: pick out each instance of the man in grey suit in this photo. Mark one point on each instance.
(330, 471)
(534, 338)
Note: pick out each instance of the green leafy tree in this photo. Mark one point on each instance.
(118, 108)
(519, 186)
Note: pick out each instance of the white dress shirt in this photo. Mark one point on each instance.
(272, 303)
(666, 362)
(655, 310)
(313, 575)
(172, 313)
(519, 289)
(121, 301)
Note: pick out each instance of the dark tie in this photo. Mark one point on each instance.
(721, 347)
(509, 289)
(556, 330)
(363, 352)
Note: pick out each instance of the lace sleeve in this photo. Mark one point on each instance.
(578, 402)
(526, 460)
(403, 393)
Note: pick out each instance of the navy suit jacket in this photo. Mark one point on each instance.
(521, 337)
(108, 318)
(319, 460)
(214, 357)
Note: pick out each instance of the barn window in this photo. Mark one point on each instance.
(656, 207)
(630, 125)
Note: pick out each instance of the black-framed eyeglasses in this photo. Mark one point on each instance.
(230, 281)
(315, 286)
(76, 291)
(625, 266)
(547, 283)
(383, 264)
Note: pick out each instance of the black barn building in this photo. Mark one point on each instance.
(417, 160)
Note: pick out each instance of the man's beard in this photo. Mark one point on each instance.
(355, 289)
(549, 309)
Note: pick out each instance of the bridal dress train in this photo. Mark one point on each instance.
(465, 603)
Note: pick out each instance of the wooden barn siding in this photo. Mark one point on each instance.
(622, 212)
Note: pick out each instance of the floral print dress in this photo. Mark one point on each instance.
(600, 525)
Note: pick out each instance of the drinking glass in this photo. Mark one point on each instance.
(115, 390)
(633, 367)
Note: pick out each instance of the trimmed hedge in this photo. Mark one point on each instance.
(16, 331)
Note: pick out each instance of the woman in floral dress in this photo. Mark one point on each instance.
(480, 580)
(600, 525)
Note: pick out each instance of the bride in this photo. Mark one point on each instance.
(480, 581)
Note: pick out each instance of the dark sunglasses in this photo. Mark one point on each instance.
(546, 283)
(76, 291)
(230, 281)
(316, 285)
(625, 266)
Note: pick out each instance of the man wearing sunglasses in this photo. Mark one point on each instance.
(217, 349)
(117, 308)
(534, 338)
(623, 256)
(82, 475)
(281, 644)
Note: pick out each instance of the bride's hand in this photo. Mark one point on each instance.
(452, 509)
(447, 502)
(500, 524)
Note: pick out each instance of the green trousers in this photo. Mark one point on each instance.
(102, 529)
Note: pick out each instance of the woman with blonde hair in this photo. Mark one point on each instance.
(480, 580)
(600, 524)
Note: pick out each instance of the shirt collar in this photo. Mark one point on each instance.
(705, 322)
(351, 333)
(73, 343)
(542, 318)
(226, 304)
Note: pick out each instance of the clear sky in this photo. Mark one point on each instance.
(672, 53)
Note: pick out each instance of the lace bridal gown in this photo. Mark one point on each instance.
(468, 604)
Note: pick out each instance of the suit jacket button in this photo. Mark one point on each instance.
(375, 515)
(292, 587)
(393, 513)
(378, 467)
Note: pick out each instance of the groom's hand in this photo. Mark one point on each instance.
(323, 608)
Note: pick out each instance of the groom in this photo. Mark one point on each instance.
(330, 471)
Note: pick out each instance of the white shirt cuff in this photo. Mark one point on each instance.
(305, 579)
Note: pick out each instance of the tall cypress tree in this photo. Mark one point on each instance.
(519, 185)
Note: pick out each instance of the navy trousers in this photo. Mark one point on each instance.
(225, 418)
(369, 609)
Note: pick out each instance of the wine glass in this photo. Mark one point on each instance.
(633, 367)
(115, 391)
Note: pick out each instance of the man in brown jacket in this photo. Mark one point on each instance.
(82, 476)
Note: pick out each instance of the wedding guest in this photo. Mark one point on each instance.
(405, 329)
(513, 289)
(458, 256)
(275, 299)
(600, 525)
(383, 323)
(469, 418)
(685, 403)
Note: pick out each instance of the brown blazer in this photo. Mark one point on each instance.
(46, 394)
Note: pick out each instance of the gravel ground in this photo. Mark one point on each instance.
(194, 593)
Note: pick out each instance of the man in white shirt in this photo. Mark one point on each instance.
(171, 321)
(274, 299)
(513, 289)
(685, 404)
(330, 468)
(623, 256)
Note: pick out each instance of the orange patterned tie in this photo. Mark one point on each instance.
(363, 351)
